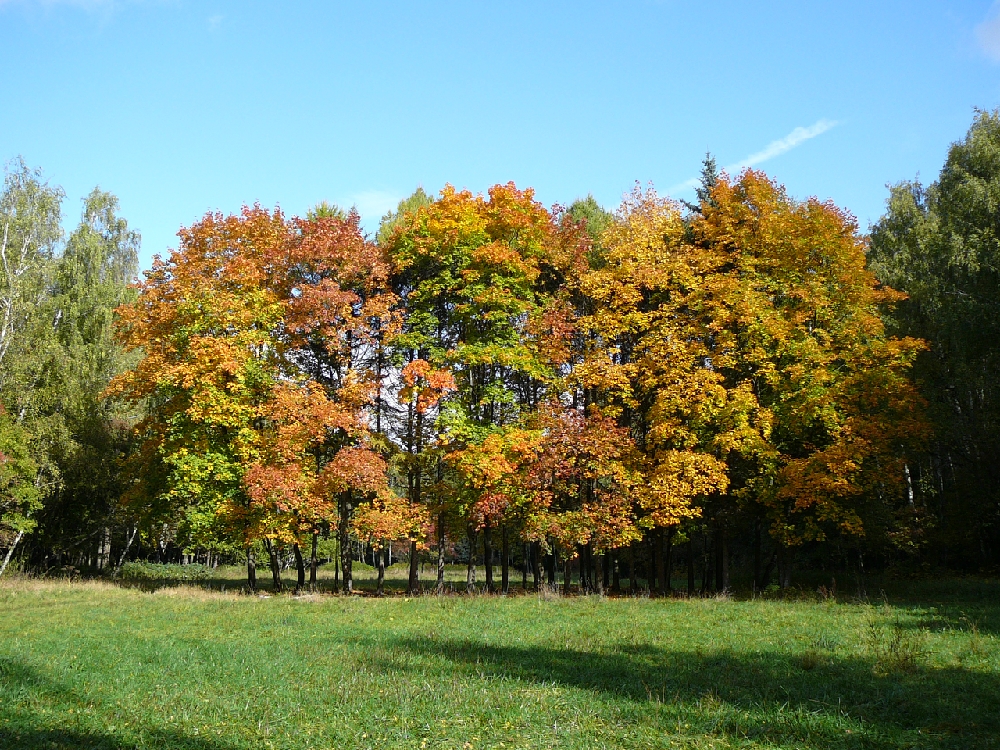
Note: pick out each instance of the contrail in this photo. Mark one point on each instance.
(775, 148)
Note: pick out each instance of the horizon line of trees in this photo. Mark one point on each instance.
(744, 382)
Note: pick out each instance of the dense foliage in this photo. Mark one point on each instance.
(741, 383)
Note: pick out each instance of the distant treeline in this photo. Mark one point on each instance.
(737, 386)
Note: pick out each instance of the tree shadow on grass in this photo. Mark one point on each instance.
(30, 705)
(811, 700)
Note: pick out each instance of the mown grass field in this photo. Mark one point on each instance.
(95, 665)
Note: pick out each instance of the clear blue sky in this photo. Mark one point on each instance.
(180, 107)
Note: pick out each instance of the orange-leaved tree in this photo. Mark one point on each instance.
(648, 359)
(797, 330)
(250, 390)
(476, 276)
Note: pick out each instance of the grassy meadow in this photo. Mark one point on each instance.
(97, 665)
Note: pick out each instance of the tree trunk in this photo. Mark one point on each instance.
(488, 555)
(313, 563)
(567, 573)
(724, 557)
(720, 552)
(616, 574)
(346, 559)
(536, 566)
(662, 585)
(104, 549)
(440, 566)
(380, 583)
(669, 556)
(10, 552)
(633, 585)
(470, 571)
(707, 568)
(784, 567)
(272, 555)
(526, 554)
(128, 546)
(765, 579)
(756, 557)
(413, 580)
(601, 573)
(504, 562)
(251, 571)
(690, 565)
(655, 574)
(300, 570)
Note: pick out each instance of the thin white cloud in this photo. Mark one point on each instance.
(782, 145)
(775, 148)
(988, 34)
(374, 204)
(680, 187)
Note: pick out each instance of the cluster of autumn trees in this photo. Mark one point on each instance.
(494, 370)
(561, 389)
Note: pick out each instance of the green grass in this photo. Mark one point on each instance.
(93, 665)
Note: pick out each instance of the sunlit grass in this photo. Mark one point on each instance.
(93, 665)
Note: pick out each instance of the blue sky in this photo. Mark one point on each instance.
(180, 107)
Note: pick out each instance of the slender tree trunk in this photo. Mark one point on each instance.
(601, 573)
(104, 549)
(504, 562)
(251, 571)
(440, 566)
(724, 557)
(756, 556)
(669, 555)
(633, 585)
(10, 552)
(784, 567)
(536, 566)
(526, 552)
(707, 565)
(653, 577)
(128, 546)
(616, 574)
(380, 584)
(488, 555)
(413, 580)
(470, 571)
(765, 579)
(272, 555)
(346, 558)
(719, 554)
(300, 570)
(662, 586)
(313, 562)
(567, 573)
(690, 565)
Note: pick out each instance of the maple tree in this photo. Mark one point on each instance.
(256, 426)
(798, 333)
(649, 345)
(474, 275)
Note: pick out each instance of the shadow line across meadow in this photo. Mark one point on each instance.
(791, 700)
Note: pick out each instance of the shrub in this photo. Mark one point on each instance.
(147, 571)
